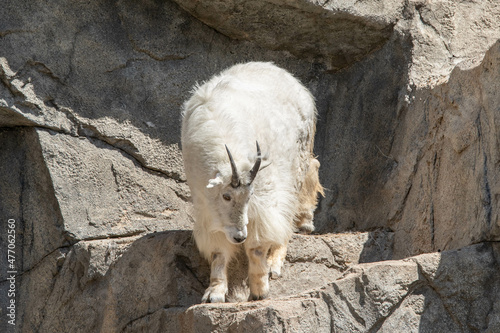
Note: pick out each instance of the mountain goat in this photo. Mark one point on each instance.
(247, 144)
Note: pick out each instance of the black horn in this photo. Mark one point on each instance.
(256, 166)
(235, 179)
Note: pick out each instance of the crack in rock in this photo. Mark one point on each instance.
(49, 115)
(428, 281)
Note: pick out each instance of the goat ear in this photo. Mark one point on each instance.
(216, 181)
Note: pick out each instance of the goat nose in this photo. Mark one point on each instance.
(239, 239)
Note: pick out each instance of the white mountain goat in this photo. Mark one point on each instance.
(243, 197)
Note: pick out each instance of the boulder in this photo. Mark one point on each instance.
(425, 293)
(113, 284)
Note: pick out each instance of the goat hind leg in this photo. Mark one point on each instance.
(308, 197)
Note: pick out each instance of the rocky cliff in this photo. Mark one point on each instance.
(92, 182)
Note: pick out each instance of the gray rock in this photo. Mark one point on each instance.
(420, 162)
(117, 283)
(442, 193)
(104, 193)
(420, 294)
(111, 71)
(27, 197)
(337, 34)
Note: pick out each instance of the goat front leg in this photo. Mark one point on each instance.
(258, 271)
(277, 255)
(216, 292)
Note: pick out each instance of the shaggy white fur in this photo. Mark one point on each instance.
(249, 103)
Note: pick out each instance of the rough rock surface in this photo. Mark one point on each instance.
(90, 169)
(337, 34)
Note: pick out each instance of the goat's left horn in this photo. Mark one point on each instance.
(235, 179)
(256, 166)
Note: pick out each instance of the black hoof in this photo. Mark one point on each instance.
(257, 297)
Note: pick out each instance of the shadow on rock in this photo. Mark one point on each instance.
(104, 285)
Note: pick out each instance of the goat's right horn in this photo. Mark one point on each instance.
(235, 179)
(256, 166)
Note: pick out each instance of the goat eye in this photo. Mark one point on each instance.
(226, 197)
